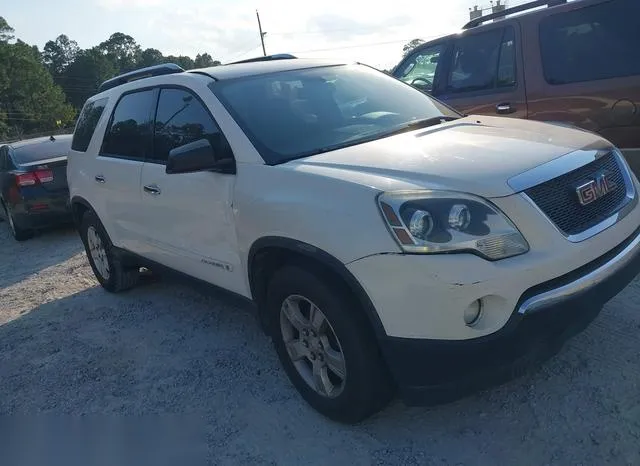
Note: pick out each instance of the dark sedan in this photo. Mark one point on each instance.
(33, 184)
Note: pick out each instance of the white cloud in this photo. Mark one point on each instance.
(363, 30)
(355, 30)
(118, 4)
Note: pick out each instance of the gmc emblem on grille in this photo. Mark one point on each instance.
(599, 186)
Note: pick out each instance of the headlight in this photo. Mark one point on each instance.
(431, 222)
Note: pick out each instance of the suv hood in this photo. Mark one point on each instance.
(475, 154)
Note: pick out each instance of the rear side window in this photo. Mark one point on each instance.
(87, 122)
(129, 133)
(591, 43)
(181, 119)
(483, 61)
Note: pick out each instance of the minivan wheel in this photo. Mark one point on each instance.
(18, 233)
(105, 262)
(326, 346)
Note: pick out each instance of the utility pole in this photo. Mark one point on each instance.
(262, 34)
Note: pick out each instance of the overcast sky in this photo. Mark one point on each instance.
(366, 30)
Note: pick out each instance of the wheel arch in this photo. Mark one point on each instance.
(269, 253)
(79, 206)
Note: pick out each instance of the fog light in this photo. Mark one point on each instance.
(473, 313)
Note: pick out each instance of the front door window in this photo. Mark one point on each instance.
(419, 69)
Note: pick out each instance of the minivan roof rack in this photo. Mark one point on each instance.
(148, 72)
(509, 11)
(277, 56)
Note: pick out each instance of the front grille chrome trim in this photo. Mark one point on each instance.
(555, 168)
(583, 283)
(630, 202)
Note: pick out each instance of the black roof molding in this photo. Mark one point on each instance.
(277, 56)
(157, 70)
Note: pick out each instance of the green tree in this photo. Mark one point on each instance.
(83, 76)
(59, 54)
(409, 46)
(184, 62)
(29, 99)
(123, 50)
(150, 57)
(204, 61)
(6, 31)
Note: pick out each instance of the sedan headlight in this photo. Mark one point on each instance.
(431, 222)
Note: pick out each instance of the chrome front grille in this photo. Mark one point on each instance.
(558, 198)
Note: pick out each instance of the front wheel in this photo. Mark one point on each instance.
(326, 346)
(106, 264)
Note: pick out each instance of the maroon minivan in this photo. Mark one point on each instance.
(571, 62)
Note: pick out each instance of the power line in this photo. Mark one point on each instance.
(371, 44)
(30, 119)
(325, 31)
(237, 55)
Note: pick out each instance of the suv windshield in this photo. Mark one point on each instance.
(293, 114)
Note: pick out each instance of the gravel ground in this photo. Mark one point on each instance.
(200, 360)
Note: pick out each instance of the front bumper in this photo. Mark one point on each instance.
(436, 371)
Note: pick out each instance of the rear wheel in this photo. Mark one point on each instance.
(18, 233)
(326, 346)
(105, 262)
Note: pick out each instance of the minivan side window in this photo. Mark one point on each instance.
(591, 43)
(129, 133)
(420, 68)
(181, 119)
(483, 61)
(87, 122)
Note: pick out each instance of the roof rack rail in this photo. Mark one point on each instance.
(277, 56)
(509, 11)
(148, 72)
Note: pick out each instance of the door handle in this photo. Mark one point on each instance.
(151, 189)
(100, 178)
(504, 108)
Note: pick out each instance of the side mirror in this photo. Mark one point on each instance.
(197, 156)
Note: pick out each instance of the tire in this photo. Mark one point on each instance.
(366, 387)
(105, 262)
(18, 233)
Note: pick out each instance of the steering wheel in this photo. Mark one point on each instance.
(427, 84)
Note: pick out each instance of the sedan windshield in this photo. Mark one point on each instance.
(294, 114)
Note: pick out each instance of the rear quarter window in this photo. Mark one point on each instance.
(591, 43)
(87, 122)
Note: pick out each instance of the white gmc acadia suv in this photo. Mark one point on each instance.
(389, 243)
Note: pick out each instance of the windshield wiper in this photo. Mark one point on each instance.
(423, 123)
(426, 122)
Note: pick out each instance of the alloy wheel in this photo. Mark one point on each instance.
(98, 252)
(312, 346)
